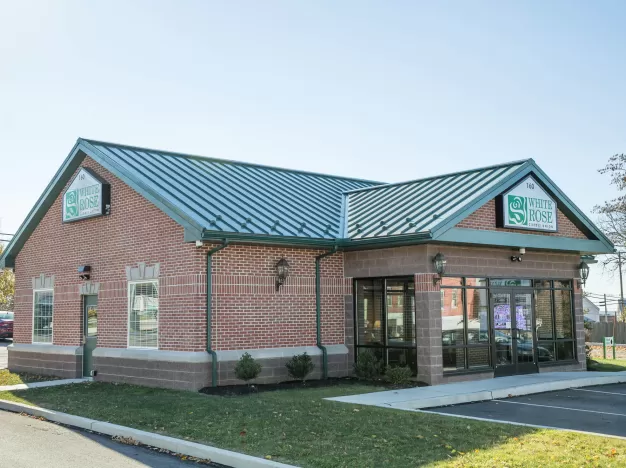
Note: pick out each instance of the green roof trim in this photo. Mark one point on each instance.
(216, 199)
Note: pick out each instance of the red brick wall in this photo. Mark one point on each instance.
(248, 312)
(484, 218)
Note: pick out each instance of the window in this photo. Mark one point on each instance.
(554, 321)
(465, 333)
(143, 314)
(385, 320)
(43, 305)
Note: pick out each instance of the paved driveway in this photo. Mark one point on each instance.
(599, 409)
(26, 442)
(3, 353)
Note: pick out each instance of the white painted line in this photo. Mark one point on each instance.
(597, 391)
(559, 407)
(513, 423)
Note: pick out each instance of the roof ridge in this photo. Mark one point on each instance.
(227, 161)
(440, 176)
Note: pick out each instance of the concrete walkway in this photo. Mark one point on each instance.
(481, 390)
(49, 383)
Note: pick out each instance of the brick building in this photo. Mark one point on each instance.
(161, 269)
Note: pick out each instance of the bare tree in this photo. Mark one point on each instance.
(612, 214)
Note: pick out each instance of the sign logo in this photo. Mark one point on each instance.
(85, 197)
(528, 206)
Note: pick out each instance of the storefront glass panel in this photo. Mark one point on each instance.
(563, 314)
(385, 320)
(452, 317)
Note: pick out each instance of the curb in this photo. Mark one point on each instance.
(505, 392)
(192, 449)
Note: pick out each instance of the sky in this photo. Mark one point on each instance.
(385, 90)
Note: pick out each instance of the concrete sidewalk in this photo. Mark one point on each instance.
(48, 383)
(490, 389)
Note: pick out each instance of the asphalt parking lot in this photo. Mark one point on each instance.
(599, 409)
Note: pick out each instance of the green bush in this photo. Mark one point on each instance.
(367, 365)
(399, 376)
(247, 368)
(300, 366)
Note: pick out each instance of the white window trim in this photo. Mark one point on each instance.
(130, 283)
(32, 337)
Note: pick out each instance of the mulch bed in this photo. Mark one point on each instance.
(237, 390)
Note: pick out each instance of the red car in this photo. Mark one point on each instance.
(6, 324)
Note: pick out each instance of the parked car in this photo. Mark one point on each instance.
(6, 325)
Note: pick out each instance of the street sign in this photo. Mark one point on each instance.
(608, 340)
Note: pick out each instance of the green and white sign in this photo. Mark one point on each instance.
(85, 197)
(528, 206)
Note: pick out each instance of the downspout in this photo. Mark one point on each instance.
(318, 311)
(209, 309)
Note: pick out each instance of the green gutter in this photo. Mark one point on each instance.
(318, 310)
(209, 309)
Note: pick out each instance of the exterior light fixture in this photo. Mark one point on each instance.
(282, 271)
(439, 261)
(583, 269)
(84, 272)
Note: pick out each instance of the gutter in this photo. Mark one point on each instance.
(209, 309)
(318, 310)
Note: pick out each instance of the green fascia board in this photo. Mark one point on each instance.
(43, 204)
(529, 167)
(514, 239)
(236, 237)
(385, 242)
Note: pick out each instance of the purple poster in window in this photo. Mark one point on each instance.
(502, 317)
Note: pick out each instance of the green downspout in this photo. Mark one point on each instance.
(318, 311)
(209, 309)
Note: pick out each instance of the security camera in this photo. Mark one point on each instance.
(518, 258)
(199, 243)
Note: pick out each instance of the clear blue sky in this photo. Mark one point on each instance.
(385, 90)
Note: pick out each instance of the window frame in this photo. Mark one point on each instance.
(128, 312)
(32, 339)
(465, 346)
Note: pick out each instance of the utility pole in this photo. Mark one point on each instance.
(621, 284)
(606, 312)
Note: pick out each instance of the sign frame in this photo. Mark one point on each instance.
(104, 205)
(501, 206)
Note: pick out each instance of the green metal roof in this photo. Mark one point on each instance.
(226, 196)
(219, 199)
(419, 205)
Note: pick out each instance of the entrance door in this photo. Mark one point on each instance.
(90, 314)
(514, 344)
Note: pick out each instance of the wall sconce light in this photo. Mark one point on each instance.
(282, 271)
(518, 258)
(439, 261)
(583, 269)
(84, 272)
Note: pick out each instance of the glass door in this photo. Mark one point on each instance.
(514, 349)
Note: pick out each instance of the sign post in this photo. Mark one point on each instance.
(608, 341)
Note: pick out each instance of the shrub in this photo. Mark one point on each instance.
(300, 366)
(368, 366)
(247, 368)
(399, 376)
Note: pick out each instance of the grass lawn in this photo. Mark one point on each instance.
(16, 378)
(607, 365)
(297, 426)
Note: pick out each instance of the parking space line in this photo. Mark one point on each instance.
(559, 407)
(597, 391)
(513, 423)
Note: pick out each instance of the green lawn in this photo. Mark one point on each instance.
(607, 365)
(299, 427)
(16, 378)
